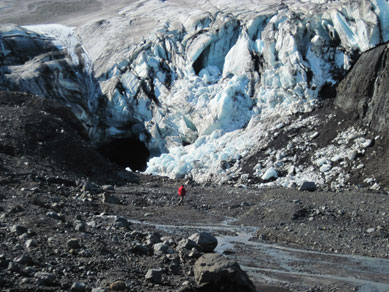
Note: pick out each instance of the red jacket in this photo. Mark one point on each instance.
(181, 191)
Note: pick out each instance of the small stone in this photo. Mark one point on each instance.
(54, 215)
(3, 262)
(99, 290)
(78, 287)
(205, 240)
(45, 278)
(108, 188)
(30, 243)
(154, 275)
(16, 209)
(13, 267)
(24, 260)
(308, 186)
(121, 222)
(141, 249)
(80, 226)
(118, 286)
(73, 243)
(19, 229)
(110, 199)
(153, 238)
(187, 244)
(160, 248)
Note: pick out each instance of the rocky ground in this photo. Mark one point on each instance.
(71, 220)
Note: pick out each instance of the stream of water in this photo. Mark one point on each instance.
(274, 264)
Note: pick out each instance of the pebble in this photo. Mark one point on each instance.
(19, 229)
(45, 278)
(54, 215)
(118, 286)
(78, 287)
(73, 243)
(154, 275)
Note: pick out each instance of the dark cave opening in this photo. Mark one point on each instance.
(126, 152)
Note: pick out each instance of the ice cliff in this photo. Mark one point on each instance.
(200, 84)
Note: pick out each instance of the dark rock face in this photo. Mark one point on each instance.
(214, 272)
(32, 63)
(365, 90)
(48, 136)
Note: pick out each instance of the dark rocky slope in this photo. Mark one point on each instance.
(364, 94)
(365, 90)
(42, 137)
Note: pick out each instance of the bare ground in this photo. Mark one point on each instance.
(46, 164)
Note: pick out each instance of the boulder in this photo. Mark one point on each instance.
(205, 240)
(154, 275)
(187, 244)
(214, 272)
(308, 186)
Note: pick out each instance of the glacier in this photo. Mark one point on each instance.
(205, 84)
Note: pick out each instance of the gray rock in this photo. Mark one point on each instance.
(18, 229)
(121, 222)
(3, 262)
(24, 260)
(153, 238)
(154, 276)
(141, 249)
(13, 267)
(78, 287)
(73, 243)
(308, 186)
(205, 240)
(160, 248)
(54, 215)
(44, 278)
(30, 243)
(80, 226)
(16, 209)
(100, 290)
(214, 272)
(118, 286)
(108, 188)
(110, 199)
(89, 187)
(194, 254)
(187, 244)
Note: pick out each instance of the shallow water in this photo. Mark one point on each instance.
(278, 265)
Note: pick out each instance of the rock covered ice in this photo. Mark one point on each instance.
(204, 84)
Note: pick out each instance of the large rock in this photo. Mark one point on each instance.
(213, 272)
(205, 240)
(365, 90)
(308, 186)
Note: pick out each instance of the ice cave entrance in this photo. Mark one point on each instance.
(126, 152)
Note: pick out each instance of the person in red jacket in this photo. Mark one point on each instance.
(181, 194)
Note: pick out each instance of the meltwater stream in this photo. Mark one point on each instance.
(274, 264)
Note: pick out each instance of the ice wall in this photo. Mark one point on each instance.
(203, 85)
